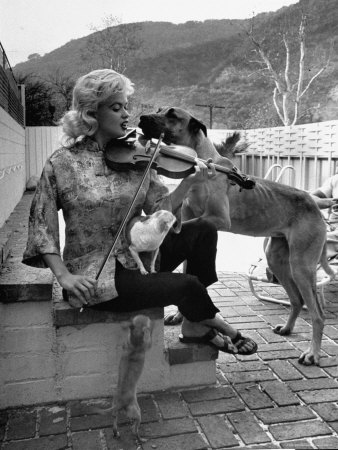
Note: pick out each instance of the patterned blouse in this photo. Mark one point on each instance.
(94, 200)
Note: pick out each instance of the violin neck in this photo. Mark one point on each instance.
(166, 150)
(221, 168)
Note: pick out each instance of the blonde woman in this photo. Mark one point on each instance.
(94, 198)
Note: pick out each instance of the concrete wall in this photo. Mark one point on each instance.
(12, 164)
(43, 363)
(40, 363)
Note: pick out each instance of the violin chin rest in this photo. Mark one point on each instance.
(131, 132)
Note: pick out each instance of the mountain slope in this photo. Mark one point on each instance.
(210, 62)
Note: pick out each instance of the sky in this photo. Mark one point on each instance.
(40, 26)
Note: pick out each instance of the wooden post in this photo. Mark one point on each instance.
(211, 107)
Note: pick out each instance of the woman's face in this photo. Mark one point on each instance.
(112, 118)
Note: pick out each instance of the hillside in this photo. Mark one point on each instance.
(157, 38)
(210, 62)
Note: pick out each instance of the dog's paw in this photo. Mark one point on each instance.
(282, 330)
(308, 358)
(144, 271)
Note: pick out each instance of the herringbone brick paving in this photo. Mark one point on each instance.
(267, 400)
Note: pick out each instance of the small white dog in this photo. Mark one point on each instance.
(146, 234)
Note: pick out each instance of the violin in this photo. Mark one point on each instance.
(134, 152)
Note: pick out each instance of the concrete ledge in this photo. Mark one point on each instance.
(98, 336)
(20, 283)
(5, 238)
(61, 355)
(17, 223)
(189, 364)
(179, 353)
(176, 351)
(65, 315)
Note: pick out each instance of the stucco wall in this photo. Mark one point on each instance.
(12, 164)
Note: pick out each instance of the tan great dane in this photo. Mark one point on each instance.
(288, 215)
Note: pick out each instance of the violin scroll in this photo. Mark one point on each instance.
(242, 180)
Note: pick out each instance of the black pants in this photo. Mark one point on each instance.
(197, 244)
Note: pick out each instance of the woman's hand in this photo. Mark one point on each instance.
(324, 203)
(80, 288)
(203, 172)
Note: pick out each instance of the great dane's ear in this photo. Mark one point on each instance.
(195, 125)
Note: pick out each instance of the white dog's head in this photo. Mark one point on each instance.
(163, 220)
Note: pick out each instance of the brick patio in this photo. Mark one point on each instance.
(266, 400)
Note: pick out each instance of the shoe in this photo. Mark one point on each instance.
(228, 346)
(239, 341)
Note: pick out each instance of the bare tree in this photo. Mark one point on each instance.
(112, 44)
(287, 93)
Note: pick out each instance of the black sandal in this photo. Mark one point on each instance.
(228, 347)
(239, 341)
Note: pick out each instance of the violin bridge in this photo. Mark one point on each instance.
(147, 146)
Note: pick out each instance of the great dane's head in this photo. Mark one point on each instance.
(182, 128)
(178, 125)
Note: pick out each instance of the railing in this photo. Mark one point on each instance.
(10, 95)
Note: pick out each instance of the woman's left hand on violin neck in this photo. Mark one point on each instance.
(203, 172)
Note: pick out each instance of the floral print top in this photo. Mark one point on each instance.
(94, 200)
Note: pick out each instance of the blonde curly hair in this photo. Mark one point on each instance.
(90, 91)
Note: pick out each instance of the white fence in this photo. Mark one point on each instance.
(41, 142)
(311, 149)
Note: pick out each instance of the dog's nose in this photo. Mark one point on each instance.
(144, 117)
(143, 121)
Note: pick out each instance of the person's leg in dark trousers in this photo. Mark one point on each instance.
(197, 244)
(201, 317)
(137, 291)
